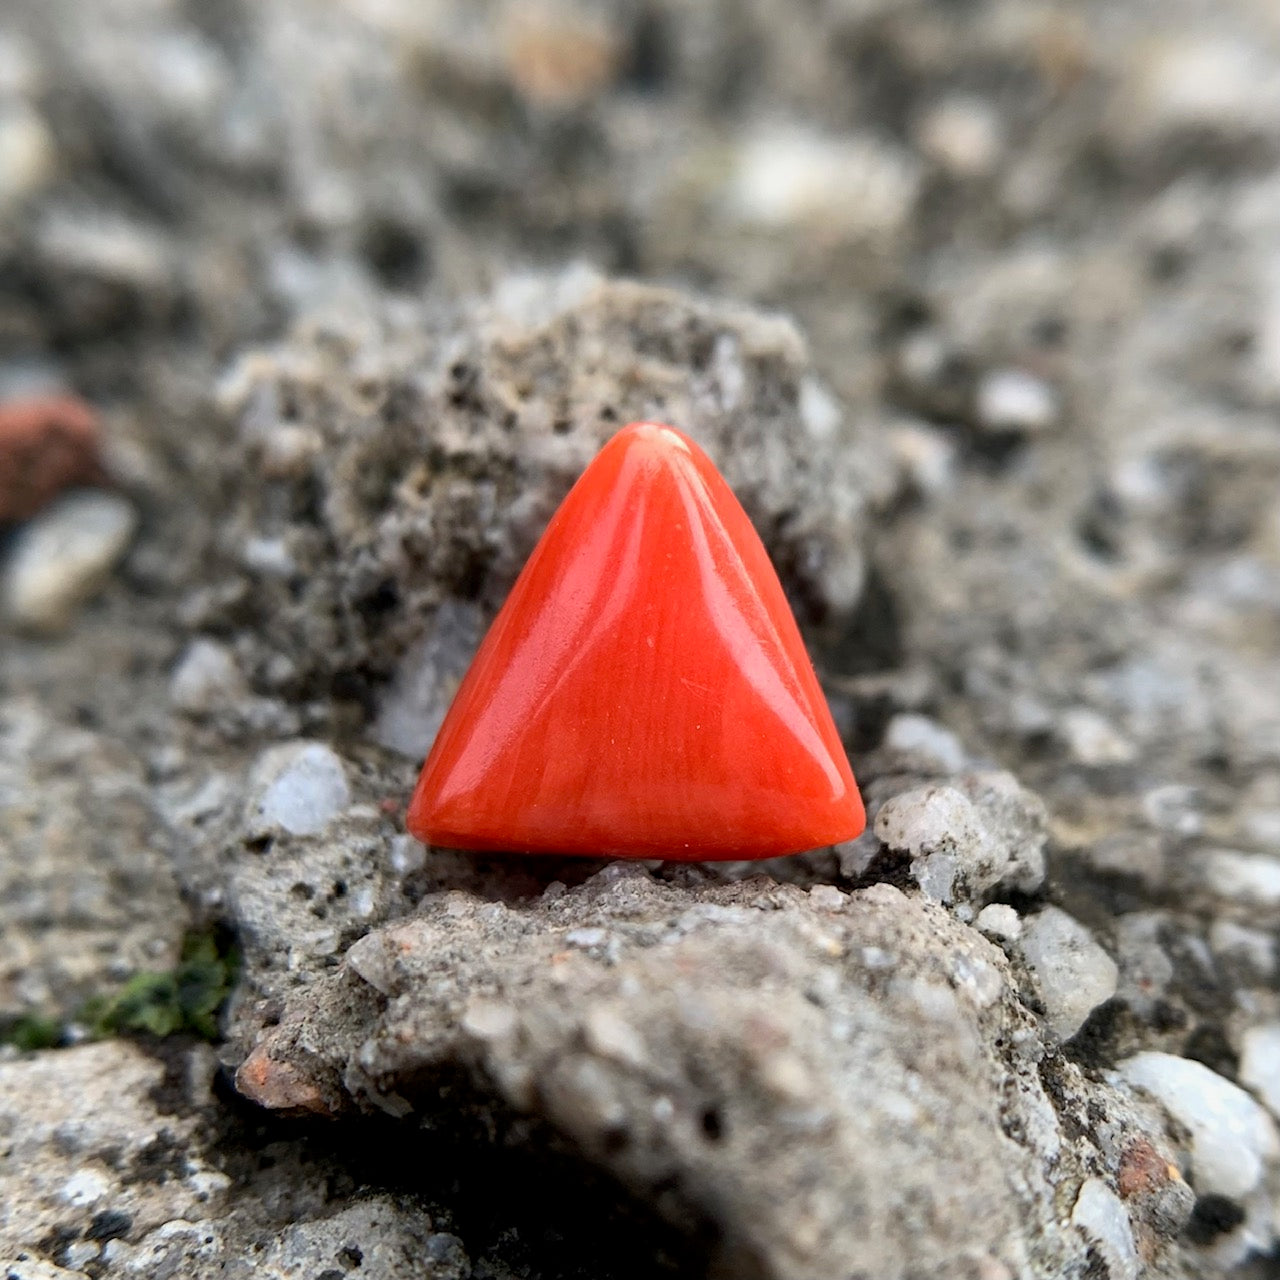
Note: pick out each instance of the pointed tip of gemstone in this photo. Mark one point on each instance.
(656, 435)
(644, 692)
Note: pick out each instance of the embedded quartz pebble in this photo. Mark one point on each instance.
(63, 556)
(1073, 974)
(297, 787)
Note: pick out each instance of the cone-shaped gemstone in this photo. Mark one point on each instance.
(644, 692)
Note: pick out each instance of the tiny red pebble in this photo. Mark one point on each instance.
(644, 692)
(47, 444)
(1143, 1169)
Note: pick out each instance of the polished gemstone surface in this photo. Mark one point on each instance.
(644, 692)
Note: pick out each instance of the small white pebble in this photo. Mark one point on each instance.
(406, 854)
(489, 1019)
(1101, 1215)
(850, 185)
(298, 787)
(611, 1036)
(826, 897)
(925, 456)
(269, 557)
(922, 357)
(1072, 972)
(206, 678)
(207, 1183)
(84, 1187)
(819, 410)
(1093, 740)
(785, 1075)
(1014, 400)
(1174, 808)
(288, 450)
(61, 558)
(928, 820)
(936, 876)
(1000, 921)
(962, 136)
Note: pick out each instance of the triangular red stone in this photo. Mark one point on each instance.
(644, 692)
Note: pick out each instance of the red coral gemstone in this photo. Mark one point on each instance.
(644, 692)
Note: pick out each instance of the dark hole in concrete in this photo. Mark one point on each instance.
(1213, 1216)
(520, 1199)
(712, 1124)
(396, 254)
(110, 1224)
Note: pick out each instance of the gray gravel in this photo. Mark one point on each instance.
(977, 307)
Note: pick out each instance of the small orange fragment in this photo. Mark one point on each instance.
(644, 692)
(47, 444)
